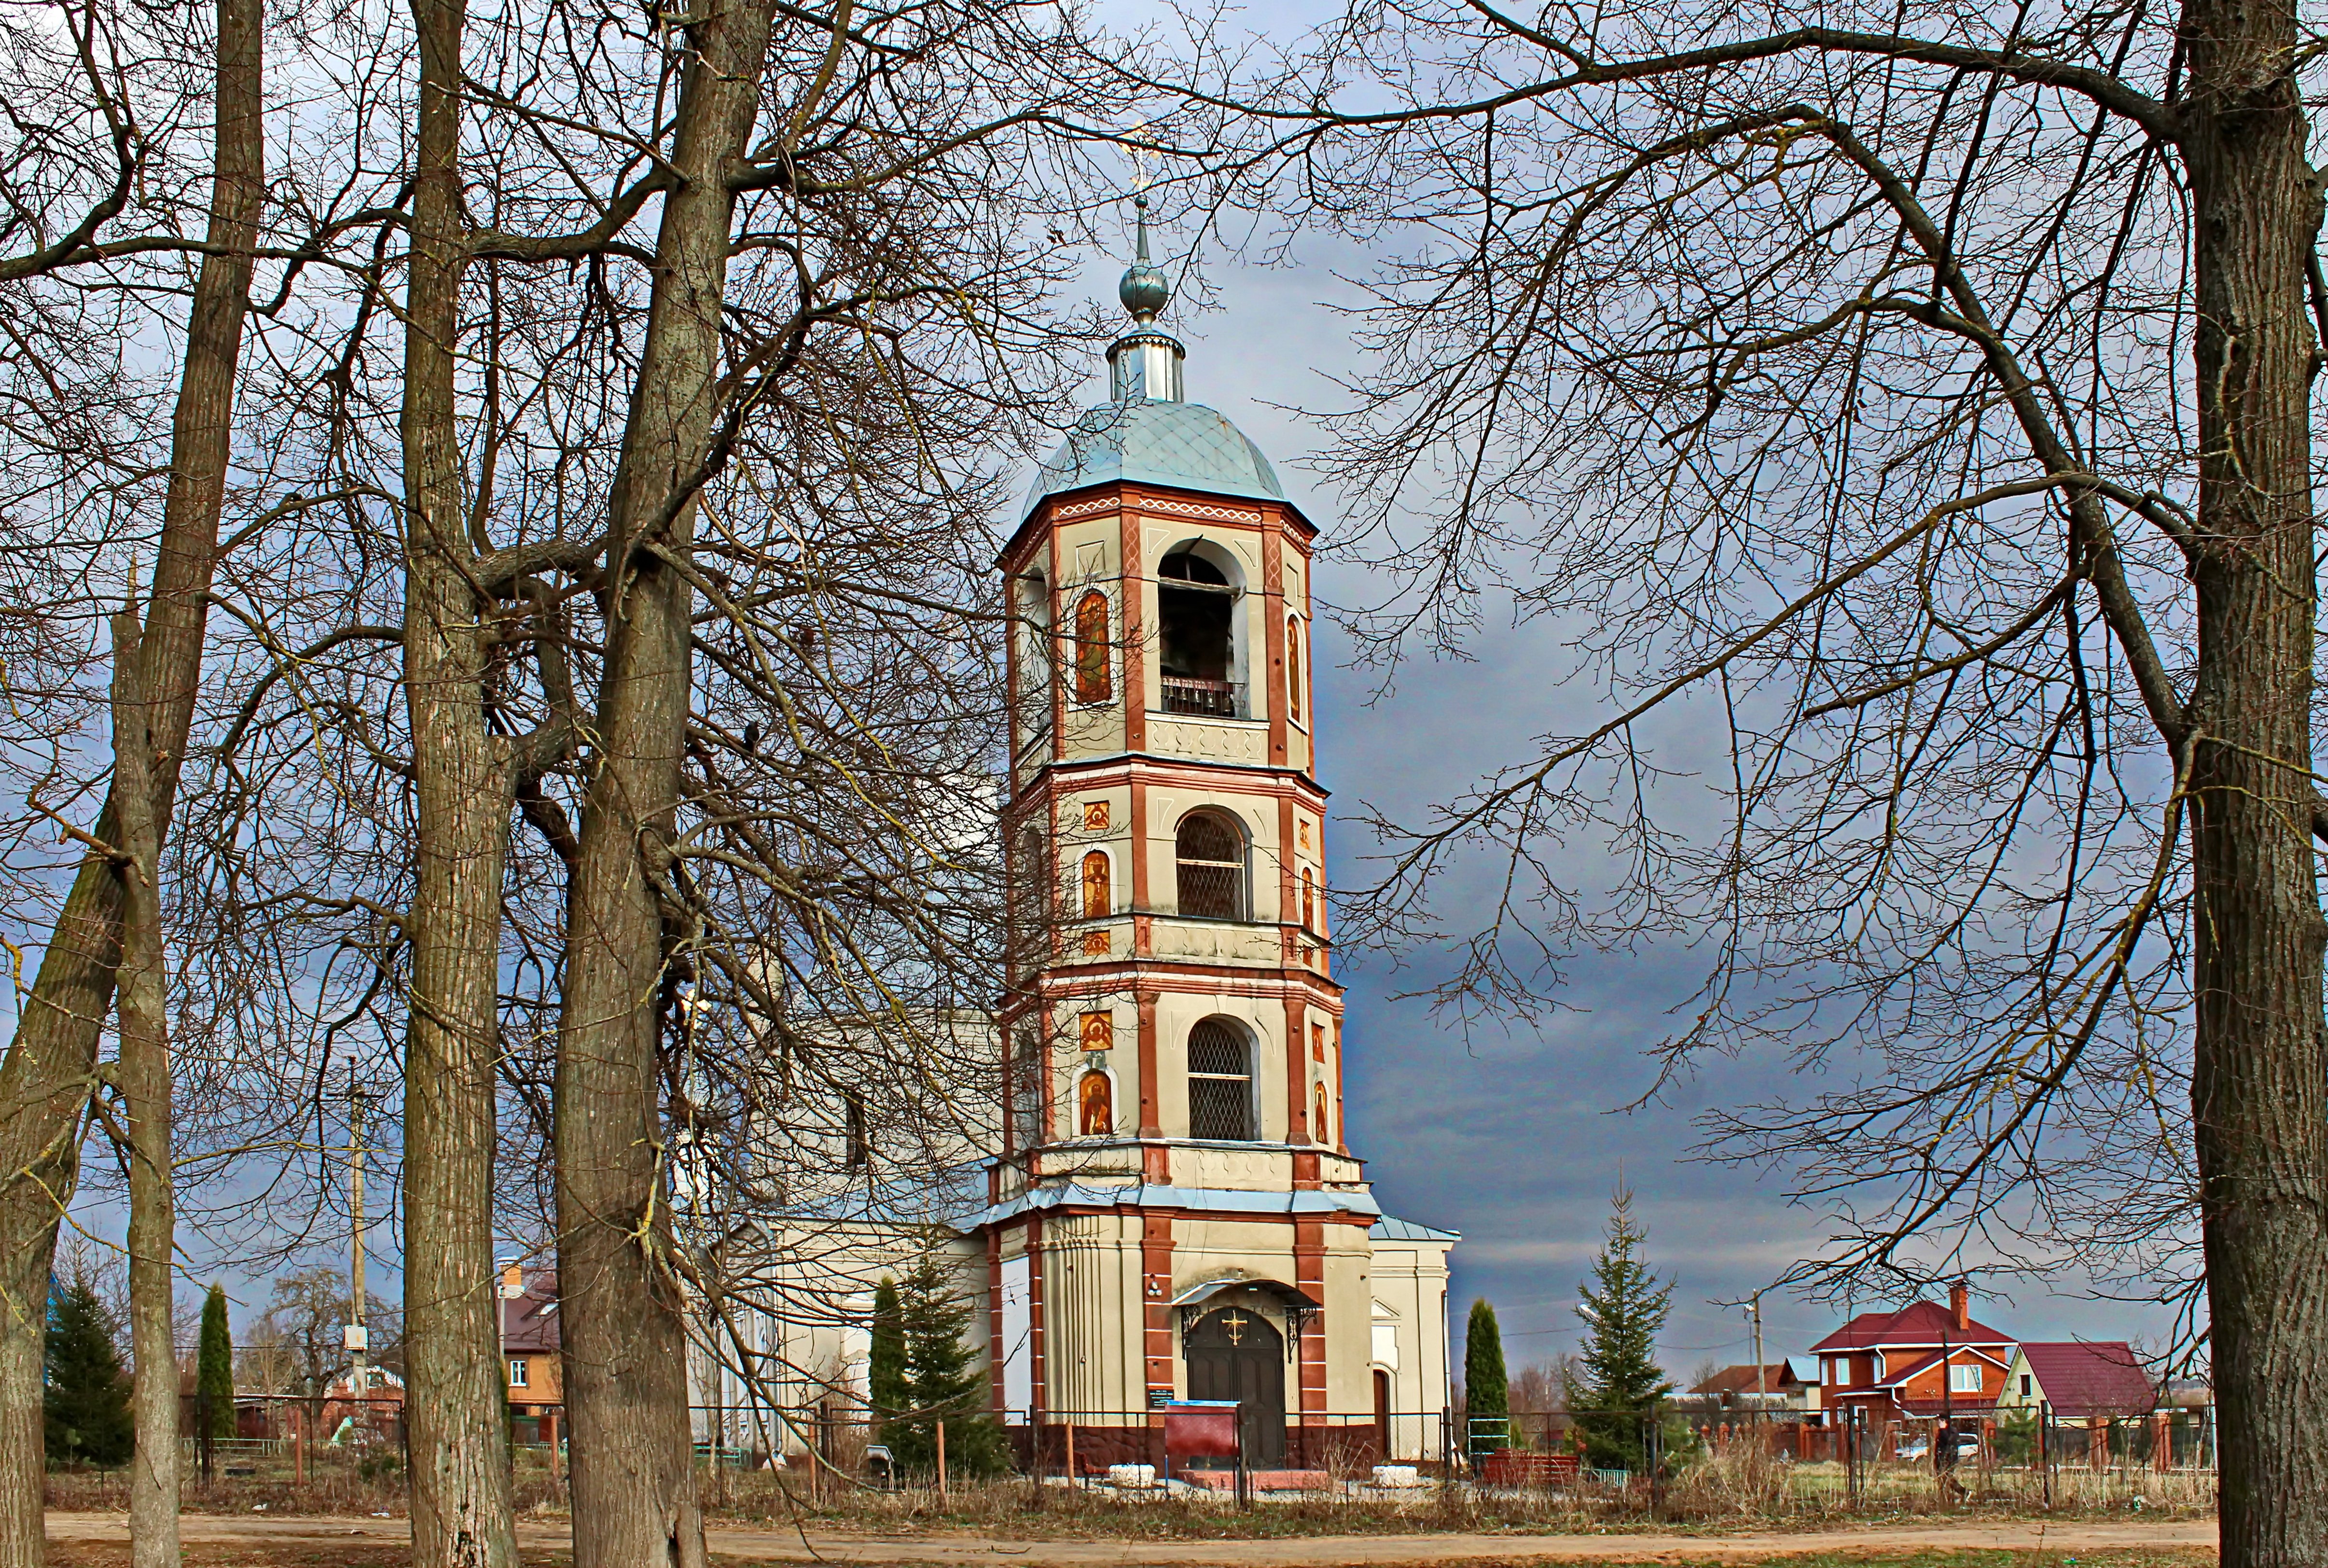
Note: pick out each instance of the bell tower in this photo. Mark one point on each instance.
(1174, 1147)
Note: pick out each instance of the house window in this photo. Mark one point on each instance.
(1098, 899)
(1208, 854)
(2025, 1381)
(1220, 1082)
(1092, 679)
(1964, 1379)
(517, 1372)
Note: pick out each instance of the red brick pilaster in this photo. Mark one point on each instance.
(1310, 1274)
(1156, 1298)
(1131, 575)
(1149, 1126)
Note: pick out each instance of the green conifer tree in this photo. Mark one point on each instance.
(1487, 1389)
(85, 1396)
(886, 1368)
(214, 1366)
(1615, 1385)
(940, 1382)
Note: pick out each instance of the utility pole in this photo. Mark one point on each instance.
(356, 1338)
(1761, 1376)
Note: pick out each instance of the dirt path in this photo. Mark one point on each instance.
(305, 1536)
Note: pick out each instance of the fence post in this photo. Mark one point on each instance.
(942, 1484)
(2045, 1449)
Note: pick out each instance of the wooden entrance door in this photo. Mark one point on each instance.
(1381, 1416)
(1233, 1353)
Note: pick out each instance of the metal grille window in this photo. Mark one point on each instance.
(1220, 1082)
(1209, 862)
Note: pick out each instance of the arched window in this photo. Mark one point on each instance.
(1317, 1131)
(1092, 679)
(1309, 900)
(1095, 1106)
(1293, 667)
(1035, 653)
(1196, 639)
(1220, 1082)
(1098, 896)
(1025, 1072)
(1209, 855)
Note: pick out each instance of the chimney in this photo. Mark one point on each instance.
(1960, 1305)
(512, 1279)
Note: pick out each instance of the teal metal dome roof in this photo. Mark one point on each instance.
(1155, 442)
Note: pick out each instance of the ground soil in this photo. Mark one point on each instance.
(214, 1541)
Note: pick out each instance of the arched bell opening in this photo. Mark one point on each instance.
(1200, 652)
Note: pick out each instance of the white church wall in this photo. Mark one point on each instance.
(1410, 1280)
(1018, 1335)
(1093, 1314)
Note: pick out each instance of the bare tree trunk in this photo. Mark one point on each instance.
(2259, 1094)
(625, 1343)
(464, 789)
(45, 1077)
(145, 1085)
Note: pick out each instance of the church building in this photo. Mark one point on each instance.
(1177, 1212)
(1170, 1209)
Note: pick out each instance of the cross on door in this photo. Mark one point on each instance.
(1235, 1326)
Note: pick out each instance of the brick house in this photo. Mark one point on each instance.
(529, 1341)
(2081, 1380)
(1787, 1390)
(1921, 1362)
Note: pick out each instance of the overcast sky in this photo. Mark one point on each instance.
(1512, 1136)
(1507, 1136)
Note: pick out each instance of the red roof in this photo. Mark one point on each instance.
(1896, 1377)
(2091, 1377)
(1776, 1378)
(1919, 1323)
(530, 1321)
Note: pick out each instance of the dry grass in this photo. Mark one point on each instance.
(1737, 1489)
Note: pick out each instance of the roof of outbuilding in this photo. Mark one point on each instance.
(1151, 441)
(2082, 1378)
(1917, 1323)
(1388, 1229)
(1776, 1375)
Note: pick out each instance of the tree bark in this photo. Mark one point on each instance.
(145, 1085)
(2259, 1092)
(464, 791)
(625, 1344)
(46, 1075)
